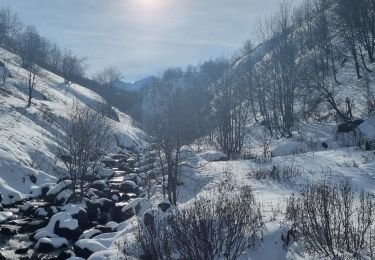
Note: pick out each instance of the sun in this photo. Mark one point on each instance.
(150, 3)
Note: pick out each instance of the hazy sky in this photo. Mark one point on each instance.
(143, 37)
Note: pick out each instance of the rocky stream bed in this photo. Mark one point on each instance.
(48, 227)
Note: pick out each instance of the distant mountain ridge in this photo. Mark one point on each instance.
(136, 86)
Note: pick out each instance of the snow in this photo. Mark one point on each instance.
(213, 156)
(41, 212)
(105, 172)
(290, 148)
(44, 234)
(91, 245)
(56, 242)
(65, 221)
(112, 225)
(26, 206)
(106, 255)
(5, 216)
(139, 206)
(59, 187)
(71, 224)
(367, 128)
(73, 208)
(64, 195)
(87, 234)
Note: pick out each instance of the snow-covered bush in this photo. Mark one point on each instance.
(333, 221)
(222, 226)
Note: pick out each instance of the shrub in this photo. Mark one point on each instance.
(332, 220)
(277, 173)
(220, 227)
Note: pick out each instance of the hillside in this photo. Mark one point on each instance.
(30, 136)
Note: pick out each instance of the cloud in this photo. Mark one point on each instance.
(143, 40)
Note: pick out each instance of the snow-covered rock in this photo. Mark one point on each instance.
(137, 207)
(87, 234)
(59, 187)
(63, 225)
(63, 197)
(86, 247)
(5, 216)
(112, 225)
(99, 185)
(128, 186)
(27, 208)
(108, 254)
(41, 212)
(48, 244)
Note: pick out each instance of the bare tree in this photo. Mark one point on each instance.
(88, 136)
(231, 111)
(72, 66)
(30, 55)
(10, 26)
(107, 78)
(168, 119)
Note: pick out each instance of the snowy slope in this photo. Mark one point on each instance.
(29, 137)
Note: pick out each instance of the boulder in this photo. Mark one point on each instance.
(32, 226)
(148, 219)
(63, 197)
(99, 185)
(82, 217)
(44, 189)
(43, 212)
(6, 216)
(164, 205)
(27, 209)
(49, 244)
(125, 167)
(109, 162)
(103, 229)
(152, 217)
(21, 251)
(93, 209)
(65, 255)
(33, 178)
(8, 230)
(137, 207)
(57, 194)
(120, 157)
(129, 187)
(90, 233)
(112, 225)
(86, 247)
(106, 204)
(61, 224)
(68, 229)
